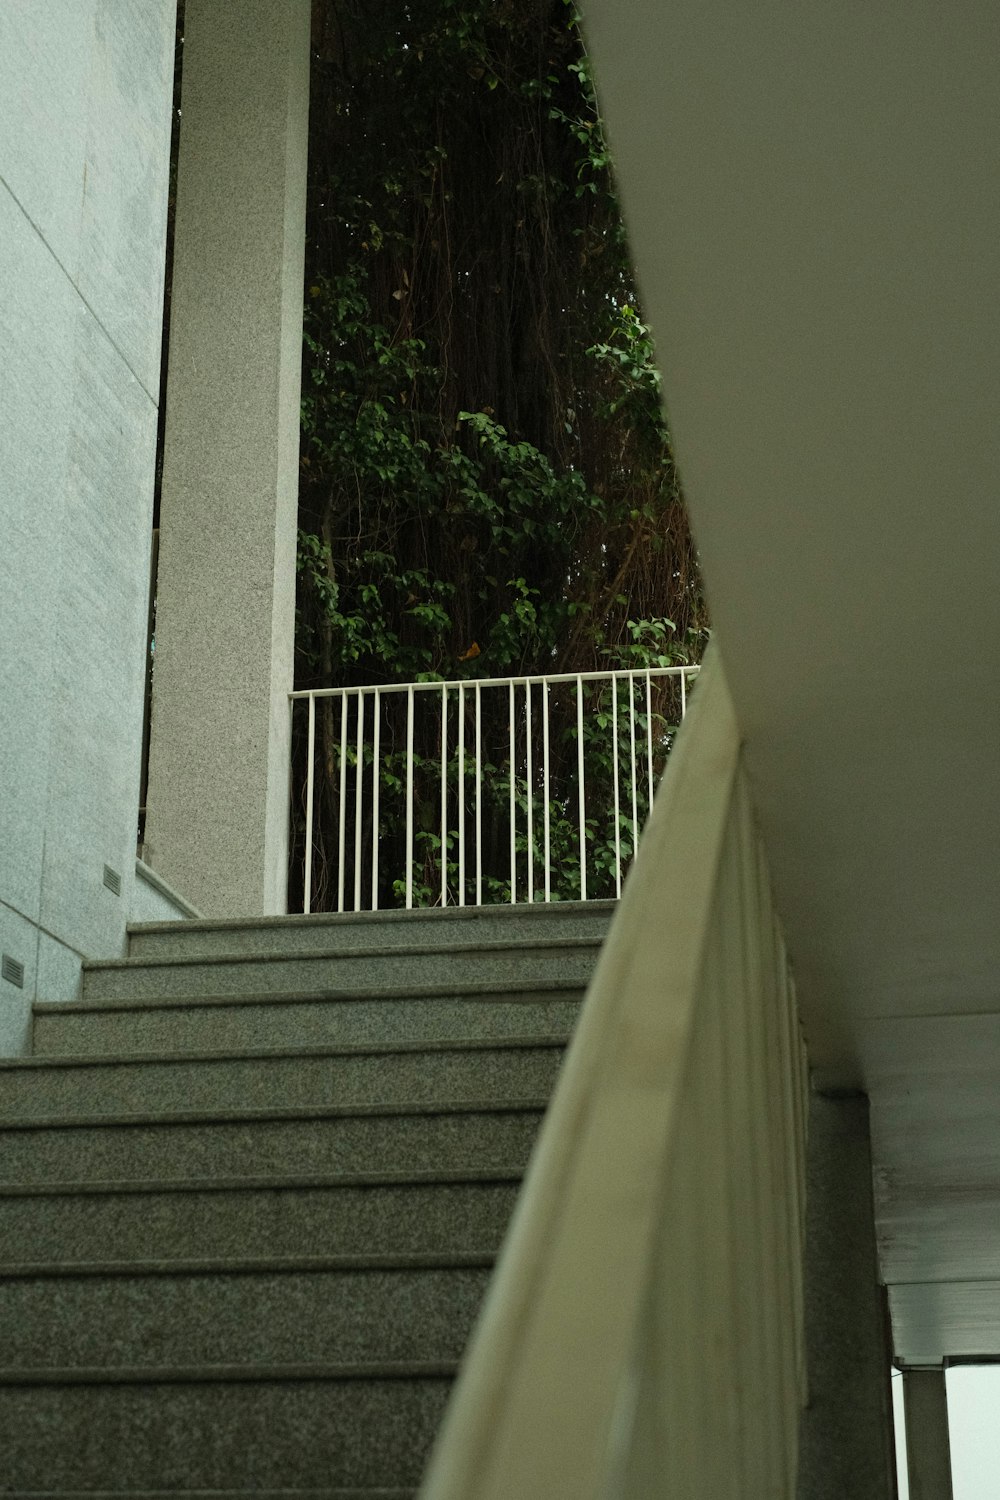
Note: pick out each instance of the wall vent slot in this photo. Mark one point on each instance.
(112, 880)
(12, 971)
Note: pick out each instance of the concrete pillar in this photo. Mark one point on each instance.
(845, 1438)
(217, 820)
(928, 1450)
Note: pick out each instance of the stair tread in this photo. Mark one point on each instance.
(229, 1374)
(264, 1114)
(248, 1435)
(343, 1049)
(283, 1183)
(430, 990)
(426, 1260)
(448, 949)
(336, 1493)
(445, 915)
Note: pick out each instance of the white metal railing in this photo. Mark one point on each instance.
(407, 786)
(643, 1333)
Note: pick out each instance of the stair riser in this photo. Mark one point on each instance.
(267, 1147)
(257, 1222)
(155, 981)
(299, 1024)
(292, 1318)
(387, 930)
(218, 1435)
(245, 1083)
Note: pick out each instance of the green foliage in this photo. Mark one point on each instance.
(487, 484)
(627, 729)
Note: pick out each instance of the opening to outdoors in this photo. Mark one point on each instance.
(973, 1430)
(487, 486)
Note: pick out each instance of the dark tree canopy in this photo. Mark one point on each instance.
(487, 485)
(487, 481)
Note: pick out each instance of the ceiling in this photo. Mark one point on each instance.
(813, 197)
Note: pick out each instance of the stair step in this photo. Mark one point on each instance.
(263, 1217)
(326, 932)
(132, 1494)
(248, 1265)
(501, 964)
(234, 1143)
(506, 1070)
(244, 1429)
(335, 1018)
(253, 1185)
(231, 1316)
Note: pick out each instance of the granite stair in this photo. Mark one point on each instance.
(252, 1186)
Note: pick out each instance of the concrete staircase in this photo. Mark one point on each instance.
(251, 1189)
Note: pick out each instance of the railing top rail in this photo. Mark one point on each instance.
(484, 682)
(683, 1078)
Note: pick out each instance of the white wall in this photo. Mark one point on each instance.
(812, 205)
(85, 96)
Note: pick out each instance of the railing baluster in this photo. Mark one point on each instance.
(513, 849)
(376, 749)
(614, 762)
(342, 809)
(581, 789)
(409, 797)
(545, 790)
(444, 795)
(530, 790)
(359, 798)
(538, 761)
(479, 797)
(635, 761)
(461, 794)
(649, 743)
(310, 784)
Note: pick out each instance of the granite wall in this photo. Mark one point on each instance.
(217, 804)
(85, 100)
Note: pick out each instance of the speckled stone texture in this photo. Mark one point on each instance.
(300, 1494)
(245, 1261)
(217, 804)
(845, 1434)
(569, 960)
(172, 1148)
(249, 1434)
(323, 933)
(269, 1318)
(261, 1221)
(85, 88)
(337, 1493)
(335, 1021)
(503, 1071)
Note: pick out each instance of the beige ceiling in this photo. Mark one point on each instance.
(814, 201)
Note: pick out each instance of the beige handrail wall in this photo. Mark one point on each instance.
(643, 1333)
